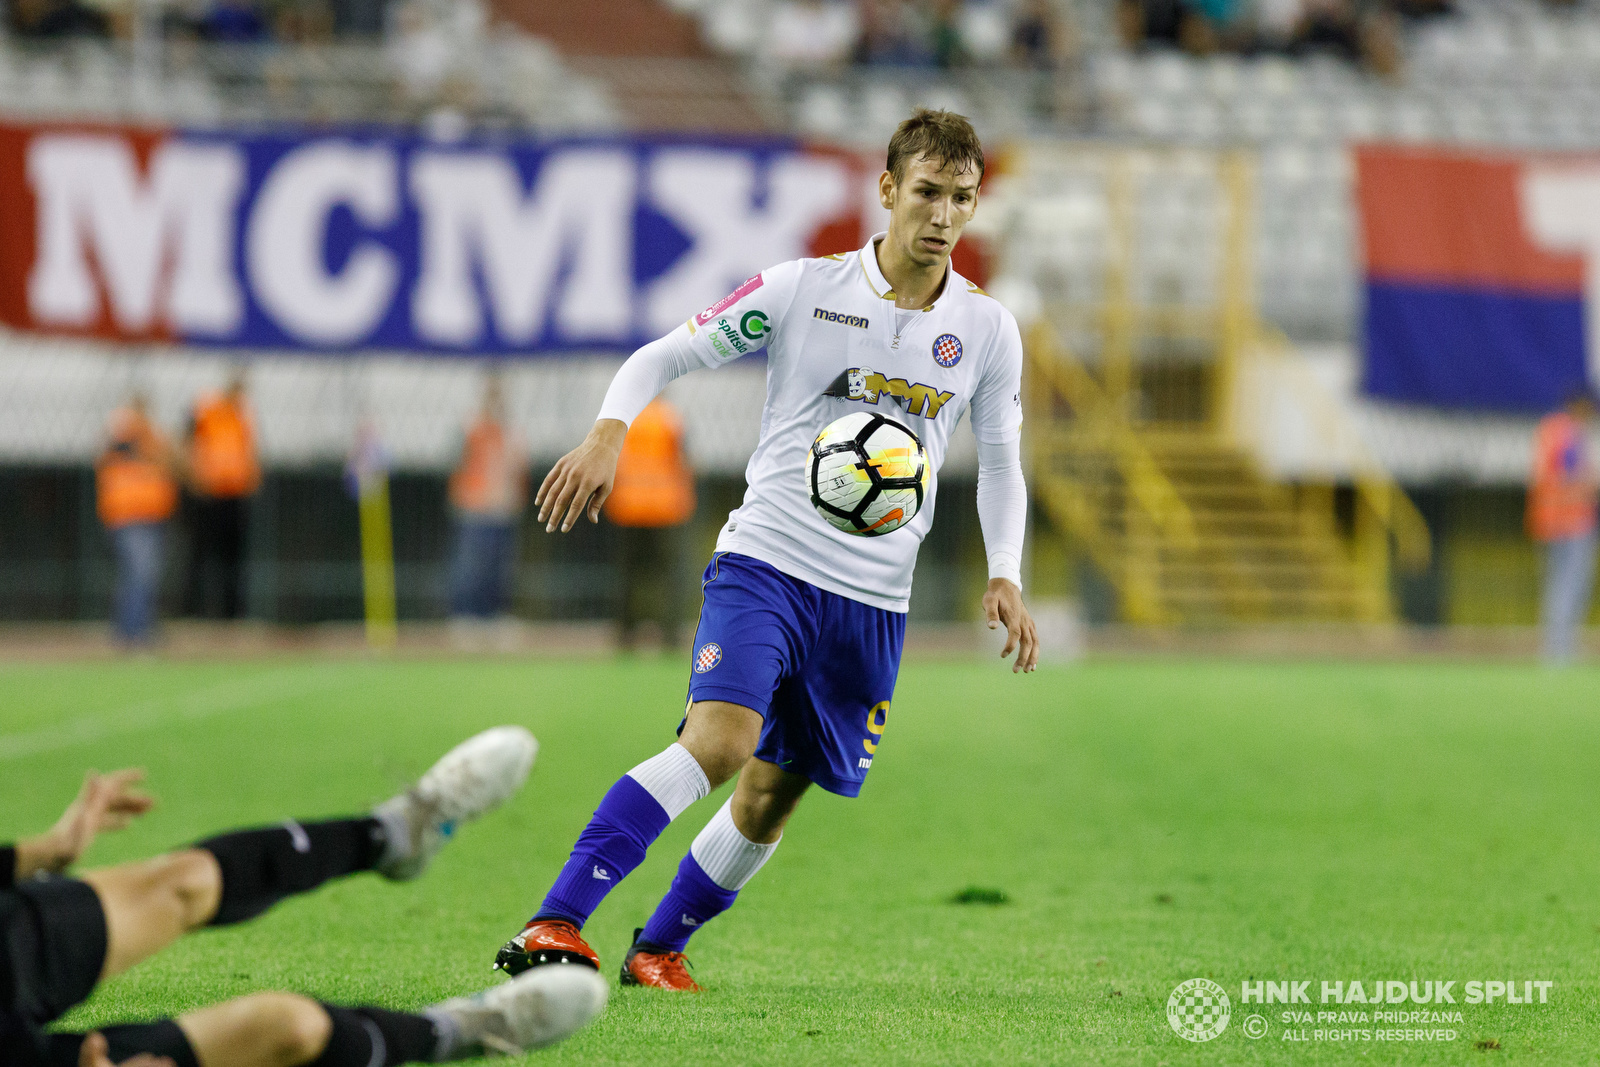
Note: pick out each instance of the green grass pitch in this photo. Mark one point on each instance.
(1149, 822)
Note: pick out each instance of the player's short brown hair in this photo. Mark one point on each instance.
(942, 136)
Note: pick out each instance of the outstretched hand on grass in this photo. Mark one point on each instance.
(106, 802)
(1002, 606)
(582, 479)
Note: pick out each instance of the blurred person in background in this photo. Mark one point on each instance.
(47, 19)
(233, 22)
(488, 491)
(1162, 22)
(893, 34)
(136, 492)
(651, 500)
(223, 474)
(1041, 39)
(1561, 516)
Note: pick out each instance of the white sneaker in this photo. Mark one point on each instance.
(471, 779)
(531, 1011)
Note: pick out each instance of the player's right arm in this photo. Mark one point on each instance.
(741, 323)
(106, 802)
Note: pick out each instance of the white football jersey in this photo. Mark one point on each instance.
(828, 327)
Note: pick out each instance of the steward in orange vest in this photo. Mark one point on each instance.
(223, 474)
(652, 497)
(133, 478)
(492, 478)
(136, 494)
(1561, 514)
(1562, 495)
(654, 486)
(488, 491)
(222, 445)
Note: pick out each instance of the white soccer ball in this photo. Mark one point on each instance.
(867, 474)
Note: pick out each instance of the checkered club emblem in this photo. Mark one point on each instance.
(709, 656)
(1198, 1010)
(947, 350)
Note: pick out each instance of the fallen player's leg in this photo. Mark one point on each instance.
(289, 1030)
(237, 876)
(61, 936)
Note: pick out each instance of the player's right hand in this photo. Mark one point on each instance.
(582, 479)
(105, 802)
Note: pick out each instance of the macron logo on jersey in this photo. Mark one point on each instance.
(842, 319)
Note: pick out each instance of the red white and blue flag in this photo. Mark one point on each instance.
(1481, 276)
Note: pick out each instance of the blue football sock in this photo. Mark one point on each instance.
(693, 900)
(632, 815)
(628, 820)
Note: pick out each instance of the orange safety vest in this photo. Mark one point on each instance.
(654, 486)
(223, 449)
(489, 480)
(1561, 498)
(132, 482)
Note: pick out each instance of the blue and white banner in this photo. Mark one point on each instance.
(356, 240)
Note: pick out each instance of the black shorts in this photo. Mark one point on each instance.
(52, 947)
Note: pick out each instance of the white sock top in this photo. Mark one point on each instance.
(727, 856)
(674, 778)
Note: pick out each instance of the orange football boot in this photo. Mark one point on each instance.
(659, 970)
(544, 942)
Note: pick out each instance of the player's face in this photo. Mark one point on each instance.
(929, 209)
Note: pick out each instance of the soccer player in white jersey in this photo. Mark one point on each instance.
(799, 639)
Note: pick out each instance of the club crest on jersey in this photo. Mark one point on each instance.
(947, 350)
(709, 656)
(867, 385)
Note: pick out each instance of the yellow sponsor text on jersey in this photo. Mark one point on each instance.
(919, 399)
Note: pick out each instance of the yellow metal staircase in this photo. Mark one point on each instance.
(1188, 529)
(1133, 449)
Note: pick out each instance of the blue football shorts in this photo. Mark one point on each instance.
(819, 667)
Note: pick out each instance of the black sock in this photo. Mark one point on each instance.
(373, 1037)
(261, 867)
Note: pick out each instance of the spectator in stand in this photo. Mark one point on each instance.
(223, 475)
(136, 493)
(1040, 38)
(893, 35)
(651, 499)
(945, 35)
(812, 34)
(1561, 516)
(487, 494)
(232, 22)
(47, 19)
(1170, 22)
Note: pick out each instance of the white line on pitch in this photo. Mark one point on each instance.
(230, 696)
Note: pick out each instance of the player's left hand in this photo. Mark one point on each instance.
(106, 802)
(1002, 606)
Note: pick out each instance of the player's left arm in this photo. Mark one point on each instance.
(1003, 495)
(106, 802)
